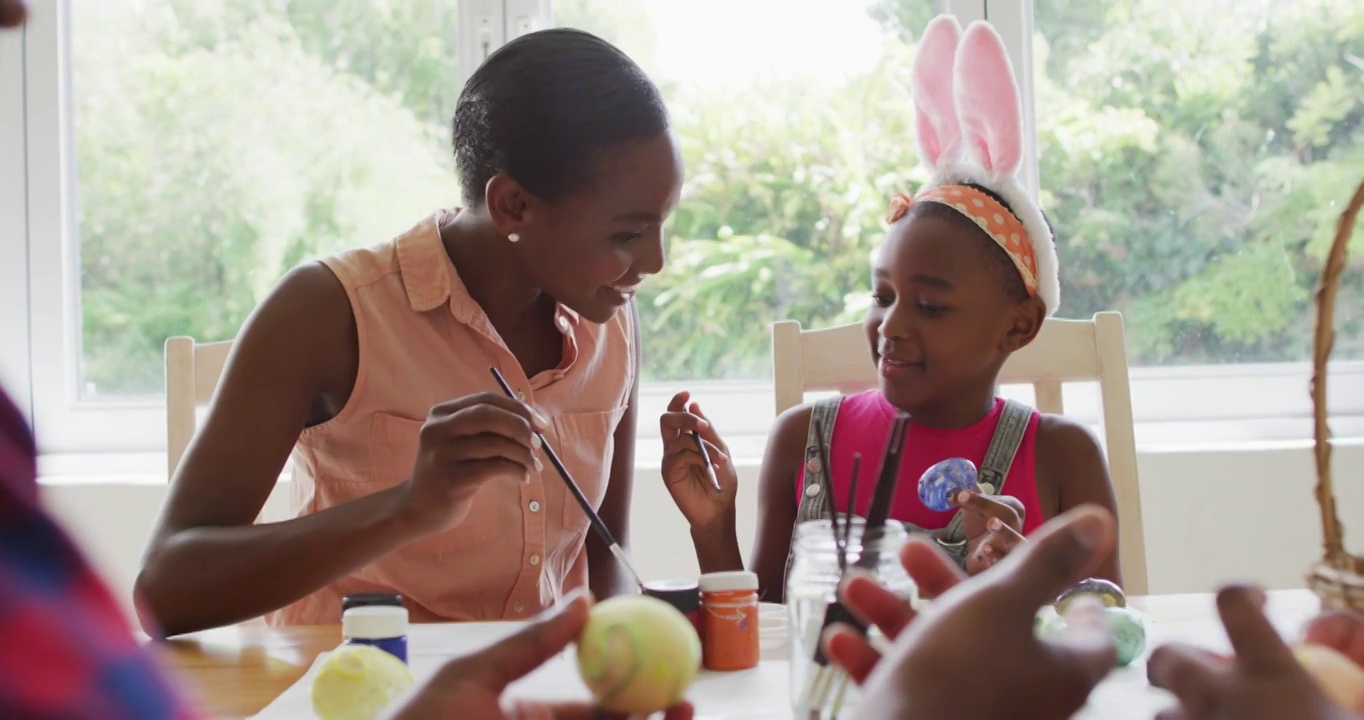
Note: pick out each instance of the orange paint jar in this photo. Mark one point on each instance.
(729, 616)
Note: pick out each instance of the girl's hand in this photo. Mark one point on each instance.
(932, 656)
(1340, 630)
(1261, 680)
(684, 471)
(993, 525)
(473, 686)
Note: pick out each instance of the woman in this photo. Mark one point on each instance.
(414, 473)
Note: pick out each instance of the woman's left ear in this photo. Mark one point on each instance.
(1027, 319)
(508, 204)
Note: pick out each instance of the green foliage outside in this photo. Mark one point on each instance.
(1193, 161)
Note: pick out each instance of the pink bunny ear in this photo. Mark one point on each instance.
(987, 100)
(935, 107)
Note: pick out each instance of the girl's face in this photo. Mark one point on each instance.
(941, 323)
(591, 249)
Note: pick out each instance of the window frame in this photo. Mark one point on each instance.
(15, 372)
(39, 280)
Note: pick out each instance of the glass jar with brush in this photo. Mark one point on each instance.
(819, 688)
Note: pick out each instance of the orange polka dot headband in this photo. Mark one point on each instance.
(986, 212)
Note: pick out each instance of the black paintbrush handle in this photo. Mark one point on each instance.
(888, 475)
(583, 502)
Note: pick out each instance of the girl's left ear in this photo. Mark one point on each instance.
(1026, 322)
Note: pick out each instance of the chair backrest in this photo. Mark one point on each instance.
(192, 373)
(1064, 351)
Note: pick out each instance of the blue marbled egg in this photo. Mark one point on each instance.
(940, 483)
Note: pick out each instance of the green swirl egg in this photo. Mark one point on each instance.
(1129, 632)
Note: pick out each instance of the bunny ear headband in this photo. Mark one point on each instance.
(970, 131)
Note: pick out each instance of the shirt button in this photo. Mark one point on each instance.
(534, 559)
(811, 490)
(520, 396)
(534, 506)
(519, 606)
(563, 323)
(813, 465)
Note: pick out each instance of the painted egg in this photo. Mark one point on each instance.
(358, 682)
(1338, 675)
(1129, 632)
(628, 675)
(940, 483)
(1105, 590)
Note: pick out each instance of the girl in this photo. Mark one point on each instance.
(965, 277)
(414, 473)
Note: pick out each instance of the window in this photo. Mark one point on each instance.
(175, 157)
(795, 128)
(1190, 155)
(1189, 162)
(208, 148)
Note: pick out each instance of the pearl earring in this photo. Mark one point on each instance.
(514, 237)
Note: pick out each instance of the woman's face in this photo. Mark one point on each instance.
(592, 248)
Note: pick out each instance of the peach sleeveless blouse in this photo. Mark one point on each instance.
(424, 341)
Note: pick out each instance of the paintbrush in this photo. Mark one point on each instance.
(602, 531)
(823, 678)
(705, 457)
(873, 525)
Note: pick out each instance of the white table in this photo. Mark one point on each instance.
(763, 693)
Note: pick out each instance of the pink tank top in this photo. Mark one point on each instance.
(862, 426)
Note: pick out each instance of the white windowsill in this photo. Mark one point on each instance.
(1235, 408)
(148, 468)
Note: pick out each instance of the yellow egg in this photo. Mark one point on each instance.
(1339, 676)
(358, 682)
(638, 654)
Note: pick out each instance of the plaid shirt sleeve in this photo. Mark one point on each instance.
(65, 647)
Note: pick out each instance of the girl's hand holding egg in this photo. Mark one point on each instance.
(473, 686)
(638, 654)
(1264, 678)
(992, 523)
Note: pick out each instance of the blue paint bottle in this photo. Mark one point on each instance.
(382, 626)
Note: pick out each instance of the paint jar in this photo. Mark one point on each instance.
(729, 620)
(374, 598)
(685, 595)
(381, 626)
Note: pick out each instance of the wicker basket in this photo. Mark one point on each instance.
(1336, 577)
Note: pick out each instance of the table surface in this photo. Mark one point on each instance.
(235, 672)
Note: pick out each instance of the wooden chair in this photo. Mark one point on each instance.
(192, 374)
(1064, 351)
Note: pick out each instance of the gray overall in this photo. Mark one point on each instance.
(993, 471)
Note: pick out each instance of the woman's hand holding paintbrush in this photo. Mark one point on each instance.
(463, 444)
